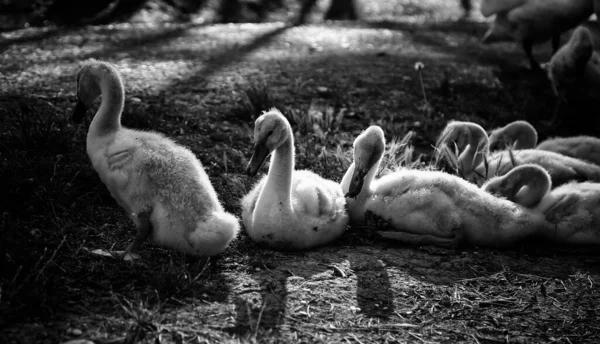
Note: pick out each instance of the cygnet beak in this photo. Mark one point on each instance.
(260, 154)
(356, 183)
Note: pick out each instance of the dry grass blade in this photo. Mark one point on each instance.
(400, 154)
(513, 161)
(256, 98)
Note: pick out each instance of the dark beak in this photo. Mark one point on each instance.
(260, 154)
(79, 111)
(356, 183)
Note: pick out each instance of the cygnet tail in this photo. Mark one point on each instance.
(213, 235)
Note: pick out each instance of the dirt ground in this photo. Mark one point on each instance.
(190, 81)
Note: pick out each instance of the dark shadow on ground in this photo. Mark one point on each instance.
(273, 270)
(146, 41)
(374, 266)
(226, 57)
(373, 288)
(444, 266)
(31, 37)
(531, 91)
(466, 27)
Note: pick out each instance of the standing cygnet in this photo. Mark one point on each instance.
(162, 185)
(576, 65)
(532, 21)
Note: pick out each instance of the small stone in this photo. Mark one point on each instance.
(322, 89)
(76, 332)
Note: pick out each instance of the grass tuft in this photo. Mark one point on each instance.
(400, 155)
(255, 98)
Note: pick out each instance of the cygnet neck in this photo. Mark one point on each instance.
(280, 171)
(525, 136)
(528, 185)
(108, 117)
(365, 191)
(472, 156)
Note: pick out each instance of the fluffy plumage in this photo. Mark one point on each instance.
(160, 184)
(289, 209)
(575, 67)
(477, 165)
(572, 210)
(522, 135)
(430, 207)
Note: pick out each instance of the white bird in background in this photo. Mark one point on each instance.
(533, 21)
(575, 67)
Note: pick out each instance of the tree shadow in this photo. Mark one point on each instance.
(228, 56)
(31, 36)
(466, 27)
(466, 47)
(146, 40)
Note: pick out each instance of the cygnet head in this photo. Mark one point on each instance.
(89, 85)
(567, 65)
(461, 134)
(507, 136)
(369, 147)
(271, 129)
(511, 185)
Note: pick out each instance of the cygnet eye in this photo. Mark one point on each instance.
(270, 133)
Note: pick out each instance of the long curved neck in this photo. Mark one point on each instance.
(279, 179)
(108, 117)
(366, 187)
(369, 180)
(527, 187)
(473, 155)
(533, 191)
(525, 137)
(345, 183)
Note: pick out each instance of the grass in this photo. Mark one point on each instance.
(331, 81)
